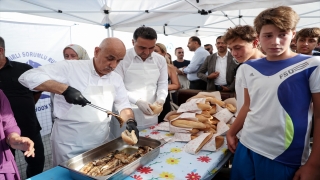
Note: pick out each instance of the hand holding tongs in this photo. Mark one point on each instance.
(117, 116)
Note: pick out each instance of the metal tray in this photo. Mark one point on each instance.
(76, 163)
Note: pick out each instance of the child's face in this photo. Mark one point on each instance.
(276, 42)
(241, 50)
(305, 45)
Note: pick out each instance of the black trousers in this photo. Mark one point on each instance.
(36, 163)
(198, 85)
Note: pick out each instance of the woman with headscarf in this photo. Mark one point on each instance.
(75, 52)
(172, 77)
(71, 52)
(10, 137)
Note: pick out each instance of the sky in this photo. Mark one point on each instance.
(89, 36)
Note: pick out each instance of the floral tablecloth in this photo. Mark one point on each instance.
(174, 163)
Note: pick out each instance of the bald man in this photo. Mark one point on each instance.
(78, 127)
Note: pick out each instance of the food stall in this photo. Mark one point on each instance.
(177, 156)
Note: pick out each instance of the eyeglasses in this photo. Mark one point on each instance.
(180, 52)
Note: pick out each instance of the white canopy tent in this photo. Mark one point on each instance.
(169, 17)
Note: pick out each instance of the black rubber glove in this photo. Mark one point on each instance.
(73, 96)
(132, 125)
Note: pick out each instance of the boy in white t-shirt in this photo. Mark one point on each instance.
(276, 113)
(243, 44)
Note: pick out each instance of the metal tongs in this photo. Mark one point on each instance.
(117, 116)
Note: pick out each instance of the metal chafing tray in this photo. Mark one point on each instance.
(76, 163)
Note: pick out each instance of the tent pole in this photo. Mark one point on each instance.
(183, 30)
(309, 12)
(239, 17)
(111, 30)
(220, 21)
(244, 21)
(308, 24)
(193, 5)
(228, 18)
(193, 26)
(309, 16)
(156, 11)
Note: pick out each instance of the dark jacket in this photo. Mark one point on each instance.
(209, 66)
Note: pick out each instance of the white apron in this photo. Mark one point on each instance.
(141, 80)
(82, 128)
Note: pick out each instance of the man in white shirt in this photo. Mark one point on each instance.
(78, 129)
(218, 69)
(200, 54)
(145, 76)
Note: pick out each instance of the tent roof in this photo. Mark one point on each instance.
(170, 17)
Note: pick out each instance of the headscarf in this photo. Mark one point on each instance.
(81, 52)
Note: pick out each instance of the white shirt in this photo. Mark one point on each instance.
(221, 67)
(131, 56)
(197, 60)
(239, 91)
(78, 74)
(240, 94)
(279, 121)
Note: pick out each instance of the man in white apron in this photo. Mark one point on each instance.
(80, 128)
(145, 77)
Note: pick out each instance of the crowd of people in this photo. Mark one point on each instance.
(273, 69)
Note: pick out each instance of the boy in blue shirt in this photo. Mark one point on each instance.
(276, 114)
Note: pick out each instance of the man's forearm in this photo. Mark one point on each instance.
(238, 123)
(127, 114)
(315, 153)
(52, 86)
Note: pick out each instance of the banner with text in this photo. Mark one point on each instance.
(36, 45)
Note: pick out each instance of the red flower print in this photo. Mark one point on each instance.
(147, 136)
(145, 170)
(152, 127)
(193, 176)
(154, 132)
(204, 159)
(137, 177)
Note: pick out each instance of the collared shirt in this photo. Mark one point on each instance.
(131, 56)
(8, 125)
(78, 74)
(221, 67)
(20, 97)
(197, 60)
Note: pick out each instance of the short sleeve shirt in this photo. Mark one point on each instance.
(278, 123)
(182, 64)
